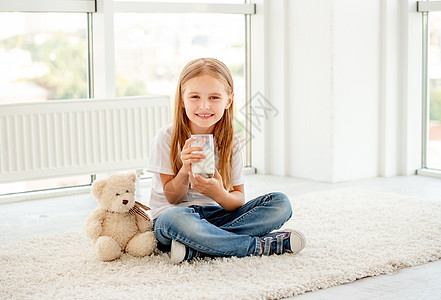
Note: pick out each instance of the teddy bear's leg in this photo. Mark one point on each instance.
(107, 249)
(142, 244)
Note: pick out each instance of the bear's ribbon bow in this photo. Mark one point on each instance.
(138, 209)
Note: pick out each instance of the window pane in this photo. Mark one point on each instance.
(433, 154)
(152, 49)
(43, 56)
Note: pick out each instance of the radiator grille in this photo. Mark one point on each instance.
(61, 138)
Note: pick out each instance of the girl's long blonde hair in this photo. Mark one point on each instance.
(223, 129)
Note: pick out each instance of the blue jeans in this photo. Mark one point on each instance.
(215, 231)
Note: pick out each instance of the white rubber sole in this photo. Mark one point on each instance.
(177, 253)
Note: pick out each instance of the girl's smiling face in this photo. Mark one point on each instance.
(205, 100)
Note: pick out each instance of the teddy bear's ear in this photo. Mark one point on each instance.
(132, 177)
(97, 188)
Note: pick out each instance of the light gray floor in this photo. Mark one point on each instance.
(66, 214)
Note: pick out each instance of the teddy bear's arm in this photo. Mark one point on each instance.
(93, 226)
(143, 224)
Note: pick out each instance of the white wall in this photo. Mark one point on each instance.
(356, 69)
(310, 95)
(345, 77)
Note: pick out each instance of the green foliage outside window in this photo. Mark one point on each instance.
(435, 105)
(65, 57)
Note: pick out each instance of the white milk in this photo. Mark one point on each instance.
(206, 167)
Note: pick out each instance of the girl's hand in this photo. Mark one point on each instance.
(188, 157)
(212, 187)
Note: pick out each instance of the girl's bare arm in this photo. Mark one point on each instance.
(214, 189)
(232, 200)
(175, 187)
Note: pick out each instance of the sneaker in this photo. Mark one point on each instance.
(178, 252)
(284, 241)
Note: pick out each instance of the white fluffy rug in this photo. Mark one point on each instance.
(351, 234)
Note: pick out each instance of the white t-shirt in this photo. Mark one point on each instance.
(159, 162)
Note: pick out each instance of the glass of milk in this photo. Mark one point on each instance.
(204, 168)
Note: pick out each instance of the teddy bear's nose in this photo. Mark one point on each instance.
(125, 202)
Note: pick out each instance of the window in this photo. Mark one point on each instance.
(45, 47)
(43, 57)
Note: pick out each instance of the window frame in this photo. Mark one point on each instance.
(87, 6)
(425, 7)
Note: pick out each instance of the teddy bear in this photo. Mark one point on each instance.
(118, 224)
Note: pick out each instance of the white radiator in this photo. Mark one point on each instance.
(72, 137)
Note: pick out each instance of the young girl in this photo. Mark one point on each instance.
(194, 216)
